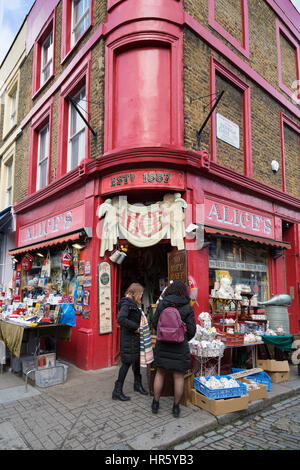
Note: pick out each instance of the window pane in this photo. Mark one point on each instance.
(242, 262)
(43, 155)
(13, 102)
(47, 58)
(80, 18)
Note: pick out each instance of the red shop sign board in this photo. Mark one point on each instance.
(145, 178)
(53, 226)
(230, 217)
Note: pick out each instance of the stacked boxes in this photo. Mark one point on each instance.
(279, 371)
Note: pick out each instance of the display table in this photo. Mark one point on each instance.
(283, 342)
(12, 333)
(254, 351)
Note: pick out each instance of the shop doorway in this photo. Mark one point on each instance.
(147, 266)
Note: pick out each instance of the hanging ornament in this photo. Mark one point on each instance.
(66, 260)
(26, 264)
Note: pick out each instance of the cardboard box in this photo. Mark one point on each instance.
(219, 407)
(257, 394)
(277, 377)
(271, 365)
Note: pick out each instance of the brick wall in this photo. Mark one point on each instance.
(265, 111)
(96, 98)
(265, 115)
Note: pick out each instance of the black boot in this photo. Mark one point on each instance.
(155, 406)
(118, 394)
(138, 387)
(176, 411)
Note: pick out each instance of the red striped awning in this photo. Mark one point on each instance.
(55, 241)
(245, 236)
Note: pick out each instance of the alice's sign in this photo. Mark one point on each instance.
(53, 226)
(241, 220)
(142, 225)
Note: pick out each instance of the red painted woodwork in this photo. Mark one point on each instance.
(42, 118)
(144, 103)
(292, 276)
(217, 67)
(244, 48)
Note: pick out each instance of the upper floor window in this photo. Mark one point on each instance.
(13, 108)
(44, 55)
(8, 189)
(77, 131)
(43, 157)
(11, 105)
(47, 58)
(76, 21)
(80, 18)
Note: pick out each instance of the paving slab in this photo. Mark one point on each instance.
(8, 395)
(10, 439)
(168, 435)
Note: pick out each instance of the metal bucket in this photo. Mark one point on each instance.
(278, 316)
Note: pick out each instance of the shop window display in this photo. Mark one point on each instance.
(243, 263)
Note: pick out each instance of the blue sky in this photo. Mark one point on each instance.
(12, 14)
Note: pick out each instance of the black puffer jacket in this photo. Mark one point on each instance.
(175, 356)
(129, 318)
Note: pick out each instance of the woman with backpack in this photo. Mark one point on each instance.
(172, 354)
(129, 319)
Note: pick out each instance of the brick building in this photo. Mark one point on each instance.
(145, 74)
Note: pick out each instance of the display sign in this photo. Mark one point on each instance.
(58, 224)
(235, 218)
(140, 224)
(144, 178)
(105, 300)
(177, 266)
(228, 131)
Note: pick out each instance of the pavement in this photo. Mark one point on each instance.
(80, 414)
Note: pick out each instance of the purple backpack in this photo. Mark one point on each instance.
(170, 327)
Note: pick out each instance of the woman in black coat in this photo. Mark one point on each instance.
(129, 319)
(173, 356)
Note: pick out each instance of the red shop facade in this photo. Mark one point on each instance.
(247, 228)
(244, 235)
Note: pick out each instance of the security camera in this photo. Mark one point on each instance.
(275, 166)
(191, 228)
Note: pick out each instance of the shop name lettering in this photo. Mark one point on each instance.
(151, 177)
(240, 219)
(46, 227)
(144, 224)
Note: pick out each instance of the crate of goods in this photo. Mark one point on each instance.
(279, 371)
(227, 387)
(219, 407)
(271, 365)
(259, 377)
(255, 391)
(49, 376)
(234, 339)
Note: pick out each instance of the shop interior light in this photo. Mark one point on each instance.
(40, 255)
(15, 260)
(78, 246)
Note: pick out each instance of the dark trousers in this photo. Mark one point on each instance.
(124, 369)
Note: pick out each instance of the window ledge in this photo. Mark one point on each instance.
(42, 87)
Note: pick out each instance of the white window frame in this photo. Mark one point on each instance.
(49, 63)
(79, 22)
(80, 133)
(42, 158)
(8, 183)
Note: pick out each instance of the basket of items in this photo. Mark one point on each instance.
(234, 339)
(260, 377)
(220, 387)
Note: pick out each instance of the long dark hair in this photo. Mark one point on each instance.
(177, 288)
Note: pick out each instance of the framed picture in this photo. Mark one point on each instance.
(46, 360)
